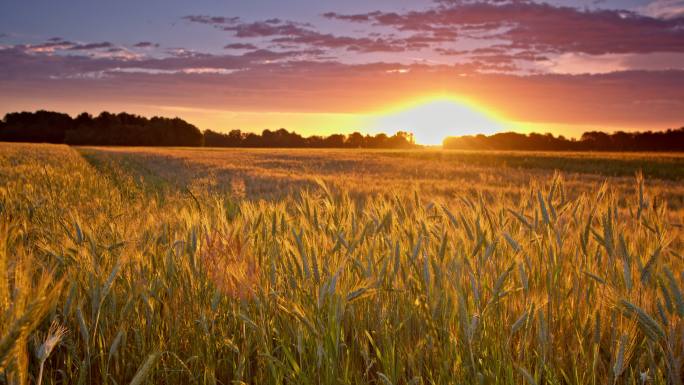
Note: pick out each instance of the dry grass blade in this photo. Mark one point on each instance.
(145, 369)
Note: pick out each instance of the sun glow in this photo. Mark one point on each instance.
(432, 119)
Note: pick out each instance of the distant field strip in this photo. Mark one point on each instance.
(177, 266)
(258, 173)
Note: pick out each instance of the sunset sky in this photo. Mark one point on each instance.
(319, 67)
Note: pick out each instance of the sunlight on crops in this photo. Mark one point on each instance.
(166, 278)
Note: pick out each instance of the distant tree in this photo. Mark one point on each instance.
(252, 140)
(334, 141)
(314, 141)
(400, 140)
(354, 140)
(377, 141)
(124, 129)
(83, 118)
(40, 126)
(217, 139)
(595, 140)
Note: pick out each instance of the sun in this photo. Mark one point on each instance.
(433, 119)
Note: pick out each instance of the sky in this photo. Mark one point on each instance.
(319, 67)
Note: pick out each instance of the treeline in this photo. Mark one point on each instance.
(106, 129)
(670, 140)
(124, 129)
(284, 138)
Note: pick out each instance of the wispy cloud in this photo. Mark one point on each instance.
(285, 33)
(146, 44)
(241, 46)
(91, 46)
(537, 27)
(664, 9)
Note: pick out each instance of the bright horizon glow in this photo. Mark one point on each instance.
(316, 123)
(433, 119)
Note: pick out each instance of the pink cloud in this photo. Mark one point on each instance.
(538, 26)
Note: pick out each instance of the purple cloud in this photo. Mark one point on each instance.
(39, 62)
(271, 27)
(146, 44)
(211, 20)
(664, 9)
(51, 45)
(91, 46)
(536, 26)
(241, 46)
(284, 33)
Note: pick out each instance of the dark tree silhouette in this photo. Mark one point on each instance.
(670, 140)
(124, 129)
(285, 139)
(131, 130)
(355, 140)
(106, 129)
(40, 126)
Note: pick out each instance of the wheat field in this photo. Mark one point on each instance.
(179, 266)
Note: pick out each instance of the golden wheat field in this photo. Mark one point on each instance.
(216, 266)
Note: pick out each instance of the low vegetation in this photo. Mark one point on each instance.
(115, 273)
